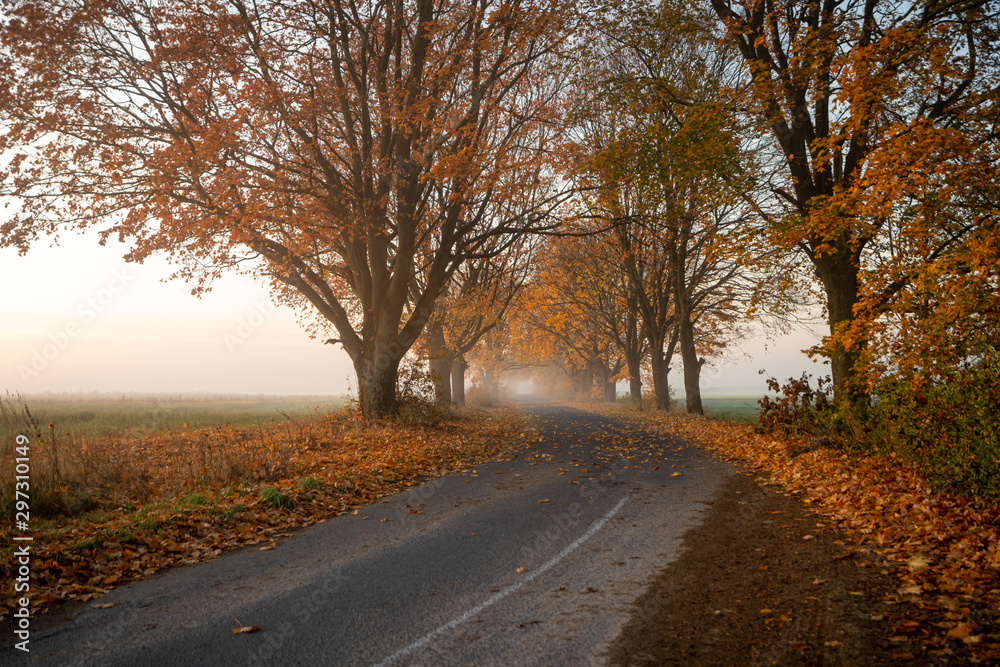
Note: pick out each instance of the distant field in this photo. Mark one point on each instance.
(94, 415)
(737, 408)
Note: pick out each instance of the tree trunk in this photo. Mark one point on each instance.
(634, 362)
(689, 358)
(635, 388)
(439, 363)
(377, 377)
(661, 381)
(458, 367)
(839, 274)
(584, 383)
(607, 385)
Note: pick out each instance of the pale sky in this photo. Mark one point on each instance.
(78, 318)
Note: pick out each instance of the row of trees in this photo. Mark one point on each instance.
(390, 165)
(671, 263)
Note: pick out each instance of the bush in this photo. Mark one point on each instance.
(949, 428)
(478, 396)
(800, 410)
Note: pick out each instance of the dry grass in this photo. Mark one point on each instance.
(119, 507)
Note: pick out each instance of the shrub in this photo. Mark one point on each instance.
(477, 396)
(307, 483)
(233, 511)
(949, 428)
(800, 410)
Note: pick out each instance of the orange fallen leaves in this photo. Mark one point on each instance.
(945, 548)
(326, 467)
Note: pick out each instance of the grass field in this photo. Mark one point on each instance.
(721, 408)
(101, 414)
(734, 408)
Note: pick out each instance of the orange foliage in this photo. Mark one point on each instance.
(205, 491)
(944, 548)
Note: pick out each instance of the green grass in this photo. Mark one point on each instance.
(95, 415)
(277, 499)
(729, 408)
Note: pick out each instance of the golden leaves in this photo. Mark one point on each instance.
(345, 463)
(944, 548)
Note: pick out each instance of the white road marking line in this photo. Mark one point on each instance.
(429, 637)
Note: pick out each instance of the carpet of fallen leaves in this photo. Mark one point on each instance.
(189, 510)
(944, 548)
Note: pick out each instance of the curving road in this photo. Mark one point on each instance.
(532, 561)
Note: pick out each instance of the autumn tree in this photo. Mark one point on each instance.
(337, 148)
(476, 302)
(494, 356)
(572, 310)
(870, 107)
(660, 161)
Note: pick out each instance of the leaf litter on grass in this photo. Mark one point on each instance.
(189, 495)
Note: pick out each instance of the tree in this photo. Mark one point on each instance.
(573, 310)
(660, 161)
(867, 104)
(476, 302)
(340, 147)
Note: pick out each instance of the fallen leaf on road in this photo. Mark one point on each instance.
(246, 630)
(267, 548)
(520, 569)
(961, 631)
(675, 474)
(544, 501)
(104, 605)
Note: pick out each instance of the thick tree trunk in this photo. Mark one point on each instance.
(607, 385)
(661, 381)
(377, 377)
(634, 362)
(635, 388)
(439, 363)
(584, 383)
(610, 392)
(839, 274)
(689, 359)
(458, 367)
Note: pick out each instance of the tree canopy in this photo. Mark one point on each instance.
(597, 193)
(348, 147)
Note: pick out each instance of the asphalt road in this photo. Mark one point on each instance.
(532, 561)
